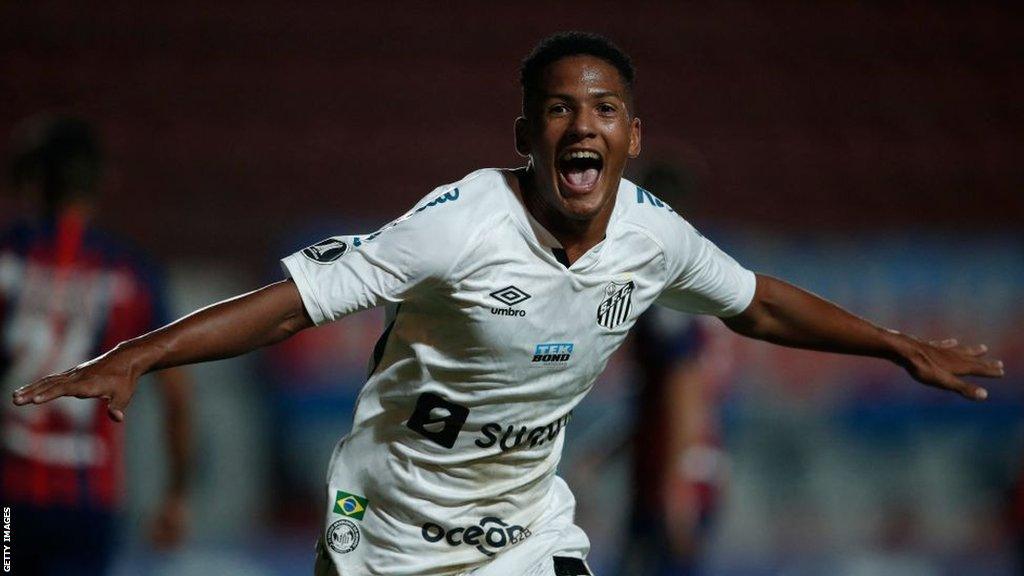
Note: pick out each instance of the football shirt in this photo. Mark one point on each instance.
(491, 341)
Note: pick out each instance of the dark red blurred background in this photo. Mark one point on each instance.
(874, 152)
(230, 124)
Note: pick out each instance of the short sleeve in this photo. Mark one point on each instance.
(702, 279)
(345, 274)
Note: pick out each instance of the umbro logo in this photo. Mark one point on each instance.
(509, 296)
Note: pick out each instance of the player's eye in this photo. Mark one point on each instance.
(558, 109)
(606, 109)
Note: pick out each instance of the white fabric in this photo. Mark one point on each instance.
(557, 535)
(502, 370)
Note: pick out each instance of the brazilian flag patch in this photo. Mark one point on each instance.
(350, 505)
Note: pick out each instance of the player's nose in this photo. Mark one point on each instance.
(581, 126)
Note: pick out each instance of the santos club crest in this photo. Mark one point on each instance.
(614, 309)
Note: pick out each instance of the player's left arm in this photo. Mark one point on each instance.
(171, 521)
(784, 314)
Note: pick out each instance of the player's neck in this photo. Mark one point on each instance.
(575, 236)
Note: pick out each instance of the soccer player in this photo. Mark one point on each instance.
(69, 292)
(506, 292)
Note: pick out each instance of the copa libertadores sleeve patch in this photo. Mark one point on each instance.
(326, 251)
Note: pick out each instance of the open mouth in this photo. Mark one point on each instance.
(579, 170)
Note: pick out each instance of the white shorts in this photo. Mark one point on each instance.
(557, 547)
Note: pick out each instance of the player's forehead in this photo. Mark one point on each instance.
(581, 76)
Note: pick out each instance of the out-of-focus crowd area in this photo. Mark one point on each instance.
(873, 154)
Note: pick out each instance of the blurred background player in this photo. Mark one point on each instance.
(67, 293)
(678, 467)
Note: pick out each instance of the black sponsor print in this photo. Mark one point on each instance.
(507, 312)
(489, 537)
(510, 437)
(437, 419)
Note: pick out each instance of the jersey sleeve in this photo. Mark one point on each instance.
(702, 279)
(405, 259)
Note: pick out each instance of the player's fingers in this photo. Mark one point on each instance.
(115, 408)
(46, 390)
(965, 389)
(62, 387)
(25, 394)
(976, 350)
(947, 343)
(987, 367)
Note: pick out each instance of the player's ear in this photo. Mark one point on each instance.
(634, 137)
(522, 137)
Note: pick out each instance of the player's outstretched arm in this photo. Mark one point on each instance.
(784, 314)
(223, 330)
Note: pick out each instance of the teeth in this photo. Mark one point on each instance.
(580, 155)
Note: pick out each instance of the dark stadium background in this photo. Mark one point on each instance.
(871, 152)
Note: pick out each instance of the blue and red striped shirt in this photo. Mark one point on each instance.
(67, 293)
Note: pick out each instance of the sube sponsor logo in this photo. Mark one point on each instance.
(489, 537)
(552, 352)
(511, 437)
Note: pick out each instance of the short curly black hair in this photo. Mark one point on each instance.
(61, 155)
(564, 44)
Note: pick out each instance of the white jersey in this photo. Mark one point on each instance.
(491, 343)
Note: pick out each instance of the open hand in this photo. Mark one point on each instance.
(940, 363)
(110, 377)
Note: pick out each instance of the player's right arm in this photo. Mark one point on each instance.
(223, 330)
(331, 279)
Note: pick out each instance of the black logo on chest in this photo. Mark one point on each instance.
(509, 296)
(615, 308)
(437, 419)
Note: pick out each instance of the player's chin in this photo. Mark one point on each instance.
(582, 206)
